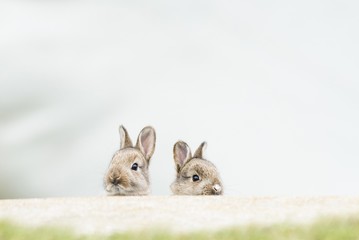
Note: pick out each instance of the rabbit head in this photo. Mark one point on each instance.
(128, 170)
(195, 175)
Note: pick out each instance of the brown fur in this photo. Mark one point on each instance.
(120, 179)
(187, 166)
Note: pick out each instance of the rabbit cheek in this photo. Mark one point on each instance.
(178, 188)
(139, 181)
(185, 188)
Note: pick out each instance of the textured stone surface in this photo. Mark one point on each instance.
(178, 213)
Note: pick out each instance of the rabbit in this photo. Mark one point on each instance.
(128, 170)
(195, 175)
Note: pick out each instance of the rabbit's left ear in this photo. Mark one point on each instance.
(125, 138)
(146, 142)
(181, 154)
(199, 151)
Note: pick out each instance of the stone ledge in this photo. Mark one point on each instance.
(176, 213)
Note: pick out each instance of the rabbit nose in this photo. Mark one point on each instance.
(217, 188)
(115, 181)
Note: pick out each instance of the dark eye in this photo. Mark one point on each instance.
(134, 166)
(195, 178)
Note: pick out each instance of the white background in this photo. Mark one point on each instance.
(272, 86)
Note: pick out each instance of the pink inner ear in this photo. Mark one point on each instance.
(146, 142)
(182, 153)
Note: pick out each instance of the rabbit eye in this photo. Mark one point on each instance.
(195, 178)
(134, 166)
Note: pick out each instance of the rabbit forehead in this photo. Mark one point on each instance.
(200, 166)
(128, 156)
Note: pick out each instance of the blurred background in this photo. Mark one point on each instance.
(272, 86)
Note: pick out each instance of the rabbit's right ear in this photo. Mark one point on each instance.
(125, 138)
(181, 154)
(199, 151)
(146, 142)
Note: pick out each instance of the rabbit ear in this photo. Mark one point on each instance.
(146, 142)
(200, 149)
(125, 138)
(181, 154)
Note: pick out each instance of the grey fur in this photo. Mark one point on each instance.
(209, 182)
(120, 179)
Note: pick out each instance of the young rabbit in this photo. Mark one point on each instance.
(195, 175)
(128, 170)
